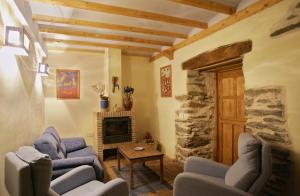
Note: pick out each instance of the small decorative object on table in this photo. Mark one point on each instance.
(99, 88)
(139, 148)
(127, 100)
(149, 139)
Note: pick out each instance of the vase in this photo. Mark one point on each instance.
(127, 103)
(104, 104)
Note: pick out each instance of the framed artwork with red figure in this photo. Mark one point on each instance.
(67, 84)
(166, 81)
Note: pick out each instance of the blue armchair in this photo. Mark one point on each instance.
(67, 153)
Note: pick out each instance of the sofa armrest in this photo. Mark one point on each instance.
(197, 184)
(74, 178)
(114, 187)
(72, 162)
(73, 144)
(205, 166)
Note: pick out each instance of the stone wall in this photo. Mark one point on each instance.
(195, 120)
(265, 111)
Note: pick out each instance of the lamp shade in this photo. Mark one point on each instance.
(17, 40)
(43, 69)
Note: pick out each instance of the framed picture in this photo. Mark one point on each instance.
(166, 81)
(67, 84)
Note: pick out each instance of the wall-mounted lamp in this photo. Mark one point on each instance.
(17, 40)
(43, 69)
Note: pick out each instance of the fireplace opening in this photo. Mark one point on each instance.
(116, 129)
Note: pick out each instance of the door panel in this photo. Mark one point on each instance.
(228, 109)
(227, 139)
(231, 114)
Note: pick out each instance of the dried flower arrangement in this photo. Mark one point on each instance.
(99, 88)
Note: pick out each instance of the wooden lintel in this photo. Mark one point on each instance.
(218, 55)
(111, 9)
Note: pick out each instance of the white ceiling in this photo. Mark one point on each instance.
(156, 6)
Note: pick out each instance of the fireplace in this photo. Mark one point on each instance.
(109, 136)
(116, 129)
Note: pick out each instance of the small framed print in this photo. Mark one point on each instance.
(166, 81)
(67, 84)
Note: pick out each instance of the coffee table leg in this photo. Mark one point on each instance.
(131, 175)
(162, 169)
(118, 156)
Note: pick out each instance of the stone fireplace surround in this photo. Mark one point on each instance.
(99, 138)
(196, 128)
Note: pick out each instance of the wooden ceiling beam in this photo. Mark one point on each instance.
(99, 44)
(110, 26)
(74, 49)
(102, 36)
(240, 15)
(68, 49)
(208, 5)
(110, 9)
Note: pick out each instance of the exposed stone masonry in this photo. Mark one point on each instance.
(195, 120)
(265, 111)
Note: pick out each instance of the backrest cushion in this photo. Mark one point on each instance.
(47, 144)
(266, 168)
(246, 169)
(62, 148)
(40, 167)
(17, 176)
(51, 130)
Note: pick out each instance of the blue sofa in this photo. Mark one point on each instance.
(67, 153)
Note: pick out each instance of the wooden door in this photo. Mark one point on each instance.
(231, 114)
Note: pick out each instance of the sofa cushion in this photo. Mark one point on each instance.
(87, 151)
(51, 130)
(62, 148)
(40, 168)
(246, 169)
(86, 189)
(47, 144)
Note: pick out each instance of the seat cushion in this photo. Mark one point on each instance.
(40, 168)
(86, 189)
(87, 151)
(245, 170)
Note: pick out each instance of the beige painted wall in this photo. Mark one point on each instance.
(273, 61)
(138, 73)
(74, 117)
(21, 106)
(21, 100)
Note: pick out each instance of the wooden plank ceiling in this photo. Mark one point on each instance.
(153, 28)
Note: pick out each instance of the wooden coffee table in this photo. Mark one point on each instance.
(133, 156)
